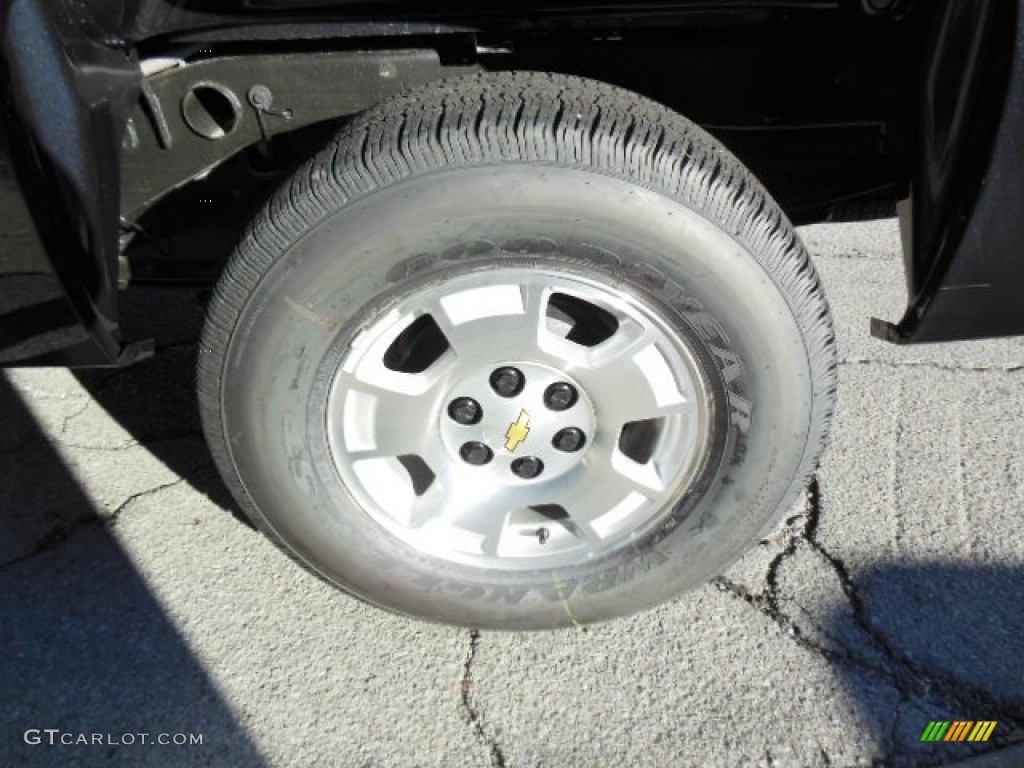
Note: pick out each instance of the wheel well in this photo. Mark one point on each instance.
(824, 124)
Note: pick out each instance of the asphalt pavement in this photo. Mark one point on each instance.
(134, 601)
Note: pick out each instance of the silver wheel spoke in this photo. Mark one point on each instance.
(479, 519)
(638, 385)
(425, 507)
(378, 421)
(581, 530)
(504, 319)
(594, 518)
(489, 524)
(593, 512)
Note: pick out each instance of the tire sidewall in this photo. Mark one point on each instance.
(347, 269)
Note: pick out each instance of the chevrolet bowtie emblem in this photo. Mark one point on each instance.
(517, 432)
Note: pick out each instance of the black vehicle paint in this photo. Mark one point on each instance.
(840, 106)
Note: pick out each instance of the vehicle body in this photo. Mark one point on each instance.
(140, 137)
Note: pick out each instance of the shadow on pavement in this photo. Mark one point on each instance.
(86, 648)
(950, 639)
(93, 650)
(155, 400)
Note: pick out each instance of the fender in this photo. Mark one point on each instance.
(70, 92)
(962, 225)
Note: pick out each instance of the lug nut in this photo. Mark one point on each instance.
(465, 411)
(508, 382)
(528, 467)
(569, 439)
(560, 396)
(476, 453)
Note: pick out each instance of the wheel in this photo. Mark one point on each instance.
(518, 351)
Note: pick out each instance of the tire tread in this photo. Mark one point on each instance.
(537, 118)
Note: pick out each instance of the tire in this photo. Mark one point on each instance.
(661, 293)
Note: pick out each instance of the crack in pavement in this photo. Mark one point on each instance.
(472, 713)
(932, 366)
(55, 537)
(112, 517)
(100, 448)
(74, 415)
(910, 678)
(142, 442)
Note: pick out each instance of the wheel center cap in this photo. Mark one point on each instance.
(533, 422)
